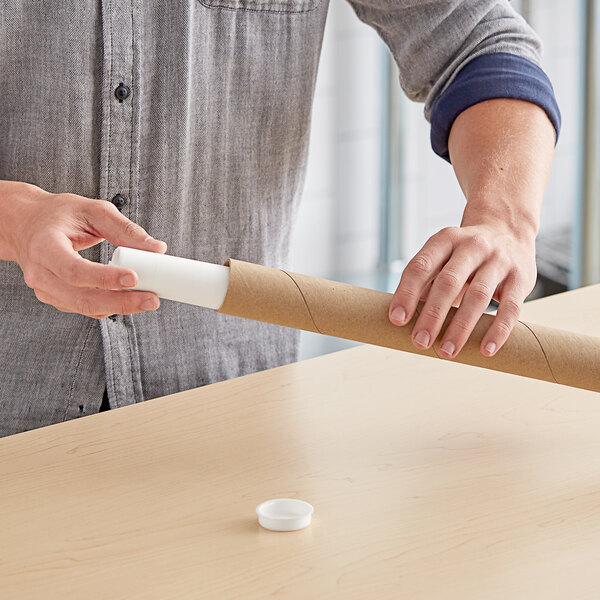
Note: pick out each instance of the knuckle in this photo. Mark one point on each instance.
(448, 280)
(67, 197)
(529, 285)
(433, 311)
(478, 245)
(126, 302)
(421, 264)
(480, 291)
(29, 188)
(480, 242)
(406, 292)
(131, 229)
(512, 308)
(524, 275)
(63, 201)
(31, 277)
(461, 325)
(501, 257)
(83, 306)
(93, 207)
(42, 296)
(104, 280)
(504, 328)
(447, 232)
(107, 207)
(126, 307)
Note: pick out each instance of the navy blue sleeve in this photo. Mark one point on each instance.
(486, 77)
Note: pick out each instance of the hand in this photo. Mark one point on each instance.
(478, 262)
(501, 151)
(43, 232)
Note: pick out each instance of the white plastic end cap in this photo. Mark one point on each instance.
(284, 514)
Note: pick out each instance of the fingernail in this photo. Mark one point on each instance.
(159, 245)
(422, 339)
(150, 304)
(127, 280)
(399, 315)
(151, 240)
(448, 348)
(490, 348)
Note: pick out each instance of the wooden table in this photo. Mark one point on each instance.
(429, 480)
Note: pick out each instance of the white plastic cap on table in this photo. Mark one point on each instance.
(284, 514)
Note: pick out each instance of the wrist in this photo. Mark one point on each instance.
(15, 199)
(518, 221)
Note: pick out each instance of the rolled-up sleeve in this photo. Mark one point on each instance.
(436, 46)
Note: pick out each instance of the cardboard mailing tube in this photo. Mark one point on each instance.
(359, 314)
(337, 309)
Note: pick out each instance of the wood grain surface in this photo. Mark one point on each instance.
(429, 480)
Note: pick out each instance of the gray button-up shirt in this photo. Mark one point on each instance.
(209, 150)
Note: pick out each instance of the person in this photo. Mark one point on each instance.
(129, 123)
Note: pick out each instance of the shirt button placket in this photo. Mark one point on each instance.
(121, 110)
(122, 93)
(119, 178)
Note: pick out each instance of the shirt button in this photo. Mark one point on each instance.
(122, 92)
(119, 201)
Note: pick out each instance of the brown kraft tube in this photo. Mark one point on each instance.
(354, 313)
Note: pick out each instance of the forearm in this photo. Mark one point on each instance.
(502, 152)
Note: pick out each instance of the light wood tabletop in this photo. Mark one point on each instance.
(429, 480)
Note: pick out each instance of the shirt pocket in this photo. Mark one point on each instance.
(269, 6)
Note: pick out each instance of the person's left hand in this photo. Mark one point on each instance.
(478, 262)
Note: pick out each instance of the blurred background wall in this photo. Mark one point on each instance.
(375, 191)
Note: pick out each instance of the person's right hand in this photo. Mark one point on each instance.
(43, 233)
